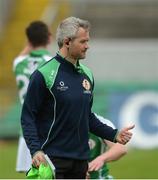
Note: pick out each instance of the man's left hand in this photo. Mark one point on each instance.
(124, 135)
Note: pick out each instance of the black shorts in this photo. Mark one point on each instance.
(70, 168)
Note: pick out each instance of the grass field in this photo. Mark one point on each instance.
(137, 164)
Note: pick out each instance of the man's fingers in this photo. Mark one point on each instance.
(38, 158)
(126, 133)
(93, 168)
(43, 160)
(36, 163)
(127, 138)
(129, 128)
(90, 168)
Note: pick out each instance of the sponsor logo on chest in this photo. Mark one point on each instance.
(62, 86)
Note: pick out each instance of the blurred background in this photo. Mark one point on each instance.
(123, 56)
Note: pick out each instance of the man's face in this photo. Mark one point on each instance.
(79, 45)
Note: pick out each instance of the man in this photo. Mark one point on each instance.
(102, 152)
(33, 55)
(56, 115)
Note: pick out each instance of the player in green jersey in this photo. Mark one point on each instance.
(101, 152)
(34, 54)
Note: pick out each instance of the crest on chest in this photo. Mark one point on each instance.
(87, 86)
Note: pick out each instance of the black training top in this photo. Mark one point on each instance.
(56, 115)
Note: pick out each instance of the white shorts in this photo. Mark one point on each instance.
(24, 159)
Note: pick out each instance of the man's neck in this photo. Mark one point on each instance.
(39, 47)
(67, 57)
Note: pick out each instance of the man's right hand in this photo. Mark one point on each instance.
(38, 158)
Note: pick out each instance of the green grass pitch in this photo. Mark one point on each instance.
(137, 164)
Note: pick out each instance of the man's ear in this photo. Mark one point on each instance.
(67, 41)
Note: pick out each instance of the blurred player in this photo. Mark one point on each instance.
(32, 56)
(101, 152)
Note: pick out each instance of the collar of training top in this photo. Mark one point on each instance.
(63, 60)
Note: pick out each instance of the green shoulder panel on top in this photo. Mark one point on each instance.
(49, 71)
(87, 71)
